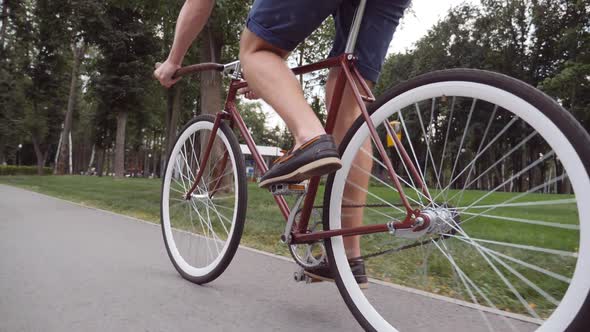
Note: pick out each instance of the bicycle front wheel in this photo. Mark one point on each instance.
(506, 173)
(202, 233)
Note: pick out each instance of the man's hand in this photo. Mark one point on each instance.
(165, 72)
(249, 94)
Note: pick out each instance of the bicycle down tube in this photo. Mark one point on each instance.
(348, 74)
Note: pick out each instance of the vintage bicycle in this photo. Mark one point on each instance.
(478, 193)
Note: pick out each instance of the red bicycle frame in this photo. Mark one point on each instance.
(348, 74)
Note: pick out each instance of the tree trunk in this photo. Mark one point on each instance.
(4, 23)
(210, 51)
(155, 163)
(524, 162)
(211, 84)
(172, 117)
(100, 155)
(40, 155)
(2, 154)
(120, 144)
(107, 161)
(92, 154)
(78, 52)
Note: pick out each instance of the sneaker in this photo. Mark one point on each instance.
(323, 273)
(316, 157)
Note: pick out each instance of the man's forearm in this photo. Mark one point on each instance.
(191, 20)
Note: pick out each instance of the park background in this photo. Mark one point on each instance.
(80, 71)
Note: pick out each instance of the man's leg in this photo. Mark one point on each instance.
(270, 78)
(359, 174)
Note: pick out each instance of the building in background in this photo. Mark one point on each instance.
(268, 153)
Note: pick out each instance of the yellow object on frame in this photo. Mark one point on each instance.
(397, 129)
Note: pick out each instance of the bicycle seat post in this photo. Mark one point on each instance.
(356, 25)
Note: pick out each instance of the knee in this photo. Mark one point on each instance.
(251, 44)
(245, 45)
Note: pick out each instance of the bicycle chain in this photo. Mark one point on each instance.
(387, 251)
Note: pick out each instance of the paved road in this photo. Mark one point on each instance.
(64, 267)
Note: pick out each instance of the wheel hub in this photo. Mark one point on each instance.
(200, 196)
(432, 221)
(442, 220)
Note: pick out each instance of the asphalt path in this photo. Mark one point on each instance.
(65, 267)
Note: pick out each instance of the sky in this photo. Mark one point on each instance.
(414, 25)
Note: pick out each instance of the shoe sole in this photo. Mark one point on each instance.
(315, 168)
(318, 278)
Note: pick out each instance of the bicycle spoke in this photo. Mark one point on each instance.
(535, 163)
(529, 265)
(463, 138)
(452, 181)
(219, 177)
(517, 274)
(410, 177)
(418, 192)
(442, 156)
(427, 141)
(510, 286)
(374, 195)
(192, 224)
(176, 190)
(186, 185)
(385, 183)
(403, 123)
(533, 203)
(499, 160)
(483, 139)
(205, 231)
(219, 215)
(463, 278)
(525, 247)
(525, 221)
(208, 223)
(514, 198)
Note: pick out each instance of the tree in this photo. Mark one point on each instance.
(542, 42)
(15, 58)
(48, 72)
(125, 67)
(77, 18)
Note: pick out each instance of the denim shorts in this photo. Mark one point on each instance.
(286, 23)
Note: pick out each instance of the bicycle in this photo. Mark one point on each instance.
(521, 176)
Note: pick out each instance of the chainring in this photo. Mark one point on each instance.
(309, 255)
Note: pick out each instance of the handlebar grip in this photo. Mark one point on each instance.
(195, 68)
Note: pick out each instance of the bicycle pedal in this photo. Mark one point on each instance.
(284, 189)
(300, 276)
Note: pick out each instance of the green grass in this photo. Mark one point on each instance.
(422, 267)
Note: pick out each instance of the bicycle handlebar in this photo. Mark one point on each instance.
(195, 68)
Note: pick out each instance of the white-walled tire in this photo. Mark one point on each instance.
(543, 119)
(202, 234)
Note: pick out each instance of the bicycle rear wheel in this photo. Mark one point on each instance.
(508, 173)
(202, 234)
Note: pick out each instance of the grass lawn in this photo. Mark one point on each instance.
(422, 267)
